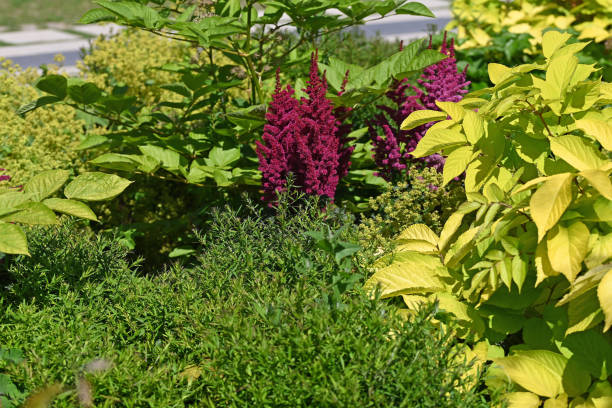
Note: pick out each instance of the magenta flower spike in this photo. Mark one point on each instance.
(441, 82)
(303, 138)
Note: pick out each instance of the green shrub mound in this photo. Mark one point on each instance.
(251, 325)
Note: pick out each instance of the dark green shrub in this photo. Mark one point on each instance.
(249, 327)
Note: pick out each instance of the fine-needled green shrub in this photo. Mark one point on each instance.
(249, 327)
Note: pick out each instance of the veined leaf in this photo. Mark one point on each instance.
(552, 41)
(550, 201)
(32, 214)
(410, 273)
(585, 283)
(498, 72)
(577, 152)
(600, 130)
(473, 126)
(456, 163)
(95, 186)
(604, 294)
(12, 239)
(538, 371)
(436, 140)
(559, 73)
(451, 226)
(567, 248)
(421, 117)
(600, 180)
(46, 183)
(420, 232)
(453, 109)
(543, 267)
(71, 207)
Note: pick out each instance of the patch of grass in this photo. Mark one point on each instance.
(14, 13)
(250, 326)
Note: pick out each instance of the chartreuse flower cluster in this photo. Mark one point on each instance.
(441, 82)
(525, 262)
(47, 139)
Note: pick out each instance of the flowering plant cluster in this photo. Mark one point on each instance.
(4, 177)
(305, 139)
(441, 82)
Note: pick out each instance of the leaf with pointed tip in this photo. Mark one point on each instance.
(12, 239)
(550, 201)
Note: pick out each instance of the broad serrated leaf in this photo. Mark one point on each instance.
(13, 240)
(421, 117)
(550, 201)
(604, 294)
(538, 371)
(71, 207)
(473, 126)
(436, 140)
(456, 163)
(576, 151)
(410, 273)
(86, 93)
(453, 109)
(95, 186)
(600, 180)
(598, 129)
(42, 101)
(97, 15)
(523, 400)
(32, 214)
(419, 232)
(46, 183)
(567, 248)
(415, 9)
(56, 85)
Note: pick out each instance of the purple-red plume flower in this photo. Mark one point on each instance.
(303, 138)
(441, 82)
(4, 177)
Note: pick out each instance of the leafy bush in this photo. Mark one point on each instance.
(252, 325)
(9, 393)
(530, 270)
(46, 140)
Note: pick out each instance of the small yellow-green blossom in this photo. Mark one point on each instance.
(45, 139)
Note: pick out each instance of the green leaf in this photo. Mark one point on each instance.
(46, 183)
(419, 232)
(585, 283)
(86, 93)
(55, 85)
(567, 248)
(32, 214)
(421, 117)
(600, 181)
(592, 352)
(97, 15)
(92, 140)
(96, 186)
(576, 151)
(42, 101)
(115, 161)
(415, 9)
(538, 371)
(523, 400)
(70, 207)
(409, 273)
(12, 239)
(560, 72)
(473, 126)
(519, 271)
(169, 159)
(550, 201)
(456, 163)
(453, 109)
(436, 140)
(600, 130)
(222, 158)
(604, 294)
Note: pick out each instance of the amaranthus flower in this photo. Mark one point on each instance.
(303, 138)
(4, 177)
(441, 82)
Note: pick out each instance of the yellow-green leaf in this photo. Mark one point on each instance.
(600, 130)
(419, 232)
(96, 186)
(538, 371)
(473, 126)
(410, 273)
(498, 72)
(421, 117)
(71, 207)
(523, 400)
(604, 294)
(552, 41)
(550, 201)
(13, 239)
(584, 283)
(32, 214)
(600, 181)
(451, 226)
(543, 267)
(46, 183)
(454, 110)
(560, 72)
(567, 248)
(456, 163)
(577, 152)
(436, 140)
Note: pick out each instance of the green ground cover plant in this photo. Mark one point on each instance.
(264, 319)
(524, 262)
